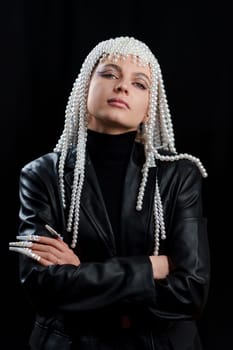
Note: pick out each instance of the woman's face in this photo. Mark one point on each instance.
(118, 96)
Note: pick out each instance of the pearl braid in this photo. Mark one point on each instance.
(159, 134)
(160, 231)
(165, 116)
(158, 130)
(79, 138)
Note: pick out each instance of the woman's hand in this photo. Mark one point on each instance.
(47, 251)
(160, 265)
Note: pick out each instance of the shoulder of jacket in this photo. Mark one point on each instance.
(181, 168)
(45, 161)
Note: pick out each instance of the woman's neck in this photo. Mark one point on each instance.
(110, 148)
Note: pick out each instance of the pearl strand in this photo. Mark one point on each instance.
(160, 231)
(183, 156)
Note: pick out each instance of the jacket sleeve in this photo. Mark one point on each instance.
(183, 294)
(91, 285)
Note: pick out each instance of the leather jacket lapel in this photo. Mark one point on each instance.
(135, 225)
(93, 205)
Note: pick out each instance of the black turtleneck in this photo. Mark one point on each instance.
(110, 155)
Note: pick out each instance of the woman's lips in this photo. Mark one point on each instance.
(117, 102)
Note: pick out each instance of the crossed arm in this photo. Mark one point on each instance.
(54, 251)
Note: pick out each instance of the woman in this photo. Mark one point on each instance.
(129, 267)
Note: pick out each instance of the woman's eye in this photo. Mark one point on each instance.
(140, 85)
(108, 75)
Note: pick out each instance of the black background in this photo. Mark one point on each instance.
(43, 44)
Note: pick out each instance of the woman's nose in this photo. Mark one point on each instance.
(121, 87)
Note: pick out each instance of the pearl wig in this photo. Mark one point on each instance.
(158, 131)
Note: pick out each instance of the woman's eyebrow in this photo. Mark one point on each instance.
(136, 74)
(142, 75)
(111, 65)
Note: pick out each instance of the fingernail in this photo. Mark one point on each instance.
(28, 238)
(26, 251)
(24, 244)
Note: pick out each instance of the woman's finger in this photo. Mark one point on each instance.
(44, 259)
(26, 251)
(22, 244)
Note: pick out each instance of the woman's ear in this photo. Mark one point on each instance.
(140, 137)
(145, 119)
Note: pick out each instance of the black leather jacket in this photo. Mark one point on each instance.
(85, 305)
